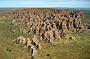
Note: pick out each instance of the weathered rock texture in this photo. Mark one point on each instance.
(50, 24)
(30, 44)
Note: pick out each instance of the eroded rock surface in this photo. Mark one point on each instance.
(50, 24)
(30, 44)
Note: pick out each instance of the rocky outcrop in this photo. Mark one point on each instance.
(50, 24)
(30, 44)
(36, 42)
(21, 40)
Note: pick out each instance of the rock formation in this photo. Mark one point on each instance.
(30, 44)
(49, 24)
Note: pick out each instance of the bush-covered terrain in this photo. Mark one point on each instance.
(64, 49)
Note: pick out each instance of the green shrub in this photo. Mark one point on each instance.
(32, 57)
(9, 49)
(48, 54)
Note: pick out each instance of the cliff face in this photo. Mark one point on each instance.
(49, 24)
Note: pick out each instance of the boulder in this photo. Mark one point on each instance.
(50, 40)
(38, 46)
(13, 22)
(28, 42)
(37, 30)
(35, 42)
(30, 31)
(21, 40)
(32, 51)
(56, 35)
(71, 38)
(34, 39)
(23, 31)
(41, 38)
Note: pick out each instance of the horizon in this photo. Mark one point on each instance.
(44, 7)
(45, 4)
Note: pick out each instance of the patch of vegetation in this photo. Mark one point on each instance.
(48, 54)
(9, 49)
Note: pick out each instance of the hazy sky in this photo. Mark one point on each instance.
(45, 3)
